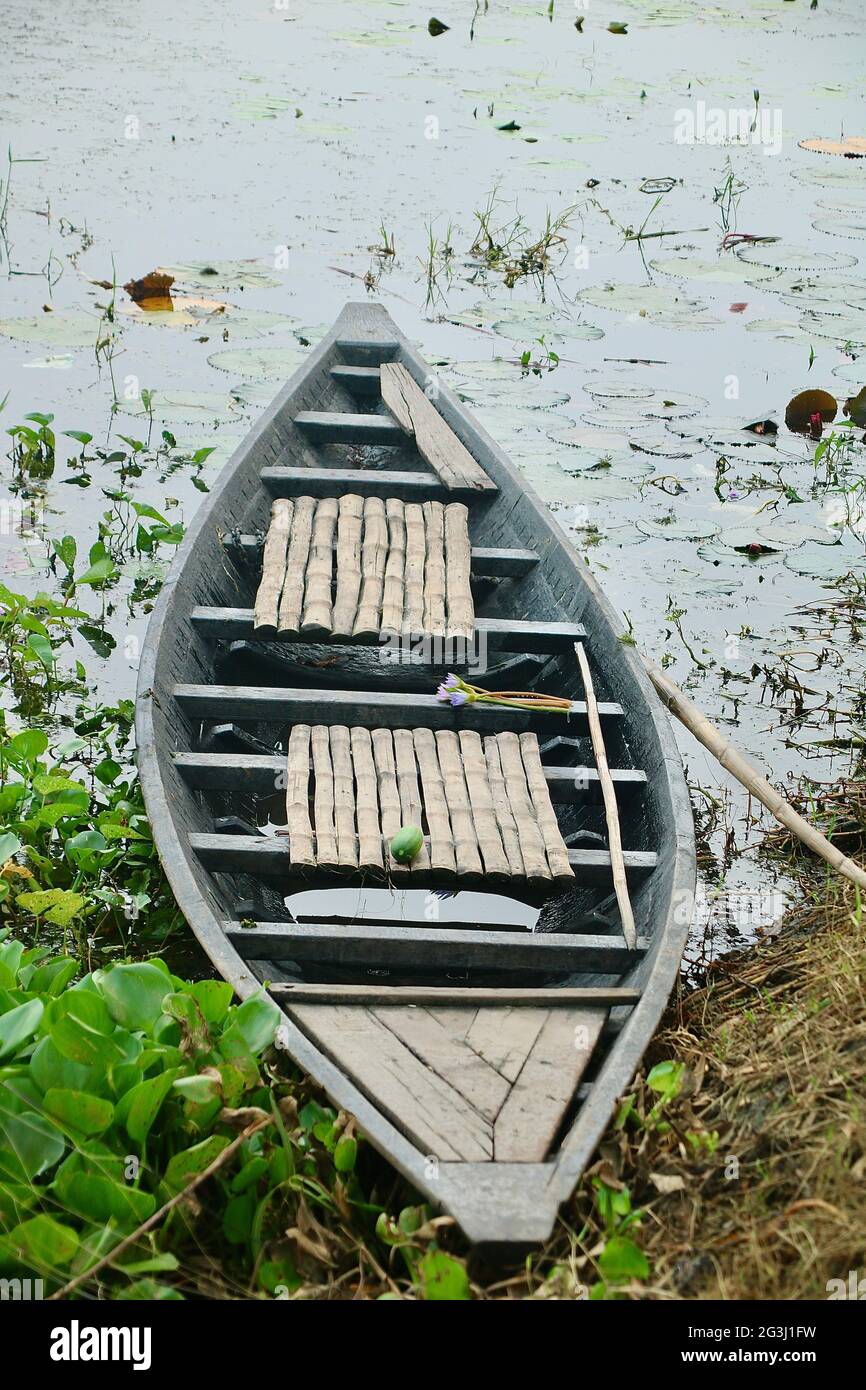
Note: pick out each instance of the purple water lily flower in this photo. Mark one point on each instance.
(453, 690)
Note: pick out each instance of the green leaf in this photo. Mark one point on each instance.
(150, 1291)
(198, 1089)
(50, 1068)
(257, 1018)
(213, 998)
(621, 1260)
(155, 1264)
(45, 1241)
(80, 1027)
(42, 650)
(9, 845)
(99, 572)
(666, 1078)
(443, 1277)
(29, 1144)
(192, 1161)
(59, 905)
(249, 1174)
(79, 1110)
(102, 1199)
(29, 744)
(19, 1025)
(238, 1218)
(134, 993)
(141, 1105)
(345, 1154)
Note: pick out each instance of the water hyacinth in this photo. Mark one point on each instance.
(455, 691)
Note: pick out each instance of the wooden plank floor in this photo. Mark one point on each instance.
(463, 1083)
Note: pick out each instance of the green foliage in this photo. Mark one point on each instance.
(76, 851)
(99, 1123)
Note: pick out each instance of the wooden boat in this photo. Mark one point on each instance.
(481, 1057)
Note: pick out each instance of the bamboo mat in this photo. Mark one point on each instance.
(482, 803)
(354, 567)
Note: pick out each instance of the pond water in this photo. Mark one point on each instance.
(263, 152)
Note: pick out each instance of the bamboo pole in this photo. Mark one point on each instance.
(374, 550)
(273, 568)
(344, 796)
(461, 610)
(366, 802)
(323, 796)
(502, 807)
(608, 792)
(459, 808)
(554, 846)
(739, 767)
(348, 564)
(389, 796)
(316, 617)
(434, 569)
(298, 797)
(407, 786)
(395, 565)
(416, 552)
(435, 806)
(481, 800)
(292, 598)
(531, 844)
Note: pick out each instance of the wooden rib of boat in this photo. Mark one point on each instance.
(481, 1008)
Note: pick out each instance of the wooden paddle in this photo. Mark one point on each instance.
(739, 766)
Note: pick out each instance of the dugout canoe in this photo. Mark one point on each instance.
(481, 1009)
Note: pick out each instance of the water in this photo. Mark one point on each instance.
(298, 137)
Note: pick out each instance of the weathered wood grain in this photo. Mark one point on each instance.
(530, 1117)
(428, 1109)
(436, 441)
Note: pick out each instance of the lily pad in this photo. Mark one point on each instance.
(716, 272)
(167, 407)
(585, 436)
(825, 561)
(74, 329)
(784, 329)
(662, 446)
(659, 304)
(259, 363)
(262, 108)
(671, 405)
(224, 275)
(519, 394)
(521, 328)
(619, 391)
(677, 529)
(778, 256)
